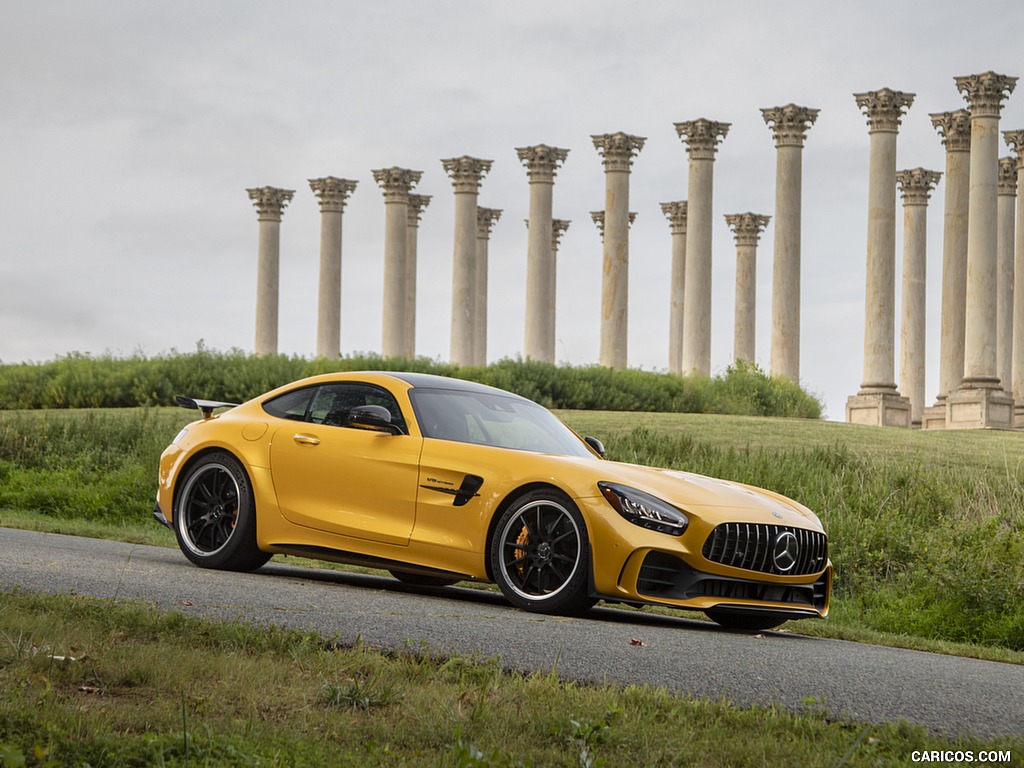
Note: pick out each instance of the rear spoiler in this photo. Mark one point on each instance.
(206, 406)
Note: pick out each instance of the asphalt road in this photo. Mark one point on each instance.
(853, 681)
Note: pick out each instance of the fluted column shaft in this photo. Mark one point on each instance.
(332, 194)
(541, 162)
(789, 124)
(270, 203)
(916, 186)
(955, 128)
(701, 137)
(466, 173)
(1016, 141)
(416, 205)
(396, 184)
(617, 151)
(747, 228)
(985, 94)
(675, 212)
(485, 220)
(1005, 204)
(884, 110)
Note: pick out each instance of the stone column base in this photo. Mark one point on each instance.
(878, 409)
(934, 417)
(980, 408)
(1018, 416)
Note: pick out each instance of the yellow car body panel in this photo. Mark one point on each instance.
(411, 503)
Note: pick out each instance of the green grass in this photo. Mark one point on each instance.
(85, 682)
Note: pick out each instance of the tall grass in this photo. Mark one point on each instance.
(84, 381)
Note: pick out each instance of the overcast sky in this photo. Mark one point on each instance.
(129, 131)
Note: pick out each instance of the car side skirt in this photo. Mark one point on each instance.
(366, 561)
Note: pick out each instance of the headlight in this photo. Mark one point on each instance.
(645, 510)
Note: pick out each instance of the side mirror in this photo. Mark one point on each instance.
(596, 445)
(375, 417)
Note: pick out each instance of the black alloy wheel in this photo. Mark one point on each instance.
(540, 554)
(215, 515)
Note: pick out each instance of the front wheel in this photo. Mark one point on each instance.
(540, 554)
(215, 515)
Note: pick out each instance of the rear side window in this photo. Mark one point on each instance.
(292, 405)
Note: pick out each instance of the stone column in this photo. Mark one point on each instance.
(878, 402)
(396, 183)
(789, 126)
(485, 220)
(466, 173)
(598, 218)
(747, 229)
(701, 137)
(617, 152)
(1005, 205)
(331, 193)
(676, 214)
(541, 163)
(1016, 141)
(269, 203)
(955, 129)
(980, 401)
(916, 186)
(416, 205)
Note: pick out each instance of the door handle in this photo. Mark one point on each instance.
(306, 439)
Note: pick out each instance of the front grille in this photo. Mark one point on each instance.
(753, 547)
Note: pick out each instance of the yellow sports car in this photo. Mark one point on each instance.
(439, 480)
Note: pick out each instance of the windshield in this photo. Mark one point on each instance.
(496, 420)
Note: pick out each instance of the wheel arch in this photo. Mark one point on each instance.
(193, 458)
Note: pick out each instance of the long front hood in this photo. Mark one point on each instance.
(712, 498)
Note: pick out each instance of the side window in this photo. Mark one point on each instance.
(334, 402)
(291, 405)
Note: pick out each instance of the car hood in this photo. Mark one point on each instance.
(694, 493)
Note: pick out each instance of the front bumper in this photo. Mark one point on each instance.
(158, 515)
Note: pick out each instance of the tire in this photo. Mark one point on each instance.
(419, 580)
(540, 555)
(215, 515)
(747, 621)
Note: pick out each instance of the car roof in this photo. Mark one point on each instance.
(433, 381)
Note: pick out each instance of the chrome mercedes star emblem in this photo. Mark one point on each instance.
(785, 551)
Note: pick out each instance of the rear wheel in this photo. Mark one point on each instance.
(540, 554)
(419, 580)
(215, 515)
(747, 621)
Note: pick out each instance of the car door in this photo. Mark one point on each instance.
(347, 480)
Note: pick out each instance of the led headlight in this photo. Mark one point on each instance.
(645, 510)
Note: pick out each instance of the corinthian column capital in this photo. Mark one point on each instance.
(416, 205)
(955, 129)
(747, 227)
(598, 218)
(485, 219)
(985, 92)
(558, 228)
(702, 137)
(884, 108)
(270, 202)
(542, 161)
(1015, 141)
(790, 123)
(466, 172)
(396, 183)
(916, 185)
(618, 149)
(332, 192)
(1007, 176)
(675, 212)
